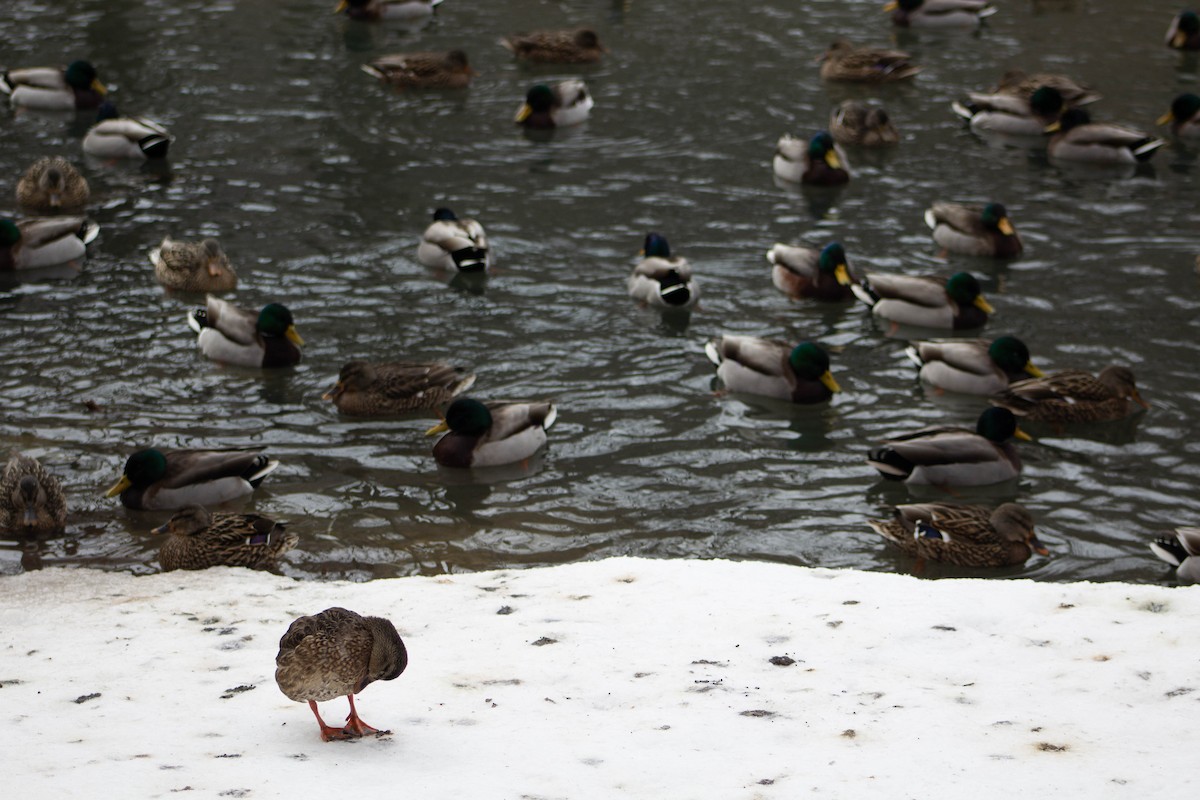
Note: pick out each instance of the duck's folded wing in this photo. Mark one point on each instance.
(765, 356)
(186, 467)
(921, 291)
(236, 324)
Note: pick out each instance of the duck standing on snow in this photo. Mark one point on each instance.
(661, 279)
(198, 539)
(233, 335)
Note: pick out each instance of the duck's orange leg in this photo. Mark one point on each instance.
(328, 734)
(354, 724)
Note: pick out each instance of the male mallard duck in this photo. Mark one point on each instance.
(939, 13)
(1183, 116)
(193, 266)
(198, 539)
(32, 503)
(54, 88)
(44, 241)
(453, 244)
(771, 368)
(1077, 138)
(843, 61)
(972, 366)
(973, 230)
(52, 186)
(1184, 31)
(1182, 551)
(580, 46)
(956, 303)
(448, 70)
(335, 653)
(1073, 395)
(378, 390)
(234, 335)
(817, 162)
(661, 279)
(1011, 114)
(952, 456)
(564, 104)
(373, 10)
(807, 272)
(855, 123)
(966, 536)
(167, 480)
(491, 435)
(114, 136)
(1018, 83)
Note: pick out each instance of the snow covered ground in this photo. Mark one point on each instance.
(618, 678)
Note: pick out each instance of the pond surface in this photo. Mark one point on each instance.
(318, 182)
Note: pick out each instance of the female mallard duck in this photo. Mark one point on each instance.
(379, 390)
(661, 279)
(855, 123)
(1182, 551)
(952, 456)
(234, 335)
(491, 435)
(1183, 116)
(843, 61)
(198, 539)
(972, 366)
(335, 653)
(374, 10)
(453, 244)
(1073, 395)
(44, 241)
(807, 272)
(966, 536)
(817, 162)
(54, 88)
(956, 303)
(448, 70)
(939, 13)
(1018, 83)
(193, 266)
(564, 104)
(1010, 114)
(115, 137)
(973, 230)
(167, 480)
(1184, 31)
(1077, 138)
(771, 368)
(580, 46)
(52, 186)
(32, 503)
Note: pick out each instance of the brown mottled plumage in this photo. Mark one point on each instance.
(843, 61)
(1073, 395)
(855, 123)
(197, 539)
(52, 186)
(31, 499)
(968, 536)
(1017, 83)
(448, 70)
(580, 46)
(376, 390)
(193, 266)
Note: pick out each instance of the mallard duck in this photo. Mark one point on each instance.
(580, 46)
(1073, 395)
(234, 335)
(817, 162)
(54, 88)
(661, 279)
(807, 272)
(44, 241)
(966, 536)
(1183, 116)
(855, 123)
(448, 70)
(337, 652)
(1184, 31)
(377, 390)
(939, 13)
(52, 186)
(453, 244)
(843, 61)
(564, 104)
(972, 366)
(1011, 114)
(198, 539)
(1018, 83)
(1077, 138)
(952, 456)
(167, 480)
(1182, 551)
(193, 266)
(956, 303)
(772, 368)
(491, 435)
(114, 136)
(373, 10)
(973, 230)
(32, 503)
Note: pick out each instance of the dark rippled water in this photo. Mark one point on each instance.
(318, 182)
